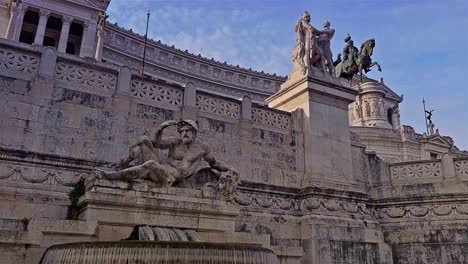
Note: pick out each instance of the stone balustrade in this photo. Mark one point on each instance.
(431, 171)
(103, 79)
(73, 72)
(18, 60)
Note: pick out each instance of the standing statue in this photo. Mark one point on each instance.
(307, 51)
(430, 125)
(324, 40)
(184, 157)
(355, 61)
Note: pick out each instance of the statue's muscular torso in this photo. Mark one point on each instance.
(186, 159)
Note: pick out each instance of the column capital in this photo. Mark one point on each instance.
(44, 13)
(85, 24)
(17, 8)
(67, 19)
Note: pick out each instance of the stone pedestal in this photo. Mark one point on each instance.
(326, 129)
(128, 204)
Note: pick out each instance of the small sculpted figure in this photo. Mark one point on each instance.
(374, 109)
(184, 157)
(367, 109)
(381, 107)
(227, 185)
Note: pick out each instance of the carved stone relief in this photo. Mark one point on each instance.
(156, 92)
(461, 167)
(218, 106)
(416, 171)
(271, 118)
(11, 60)
(84, 77)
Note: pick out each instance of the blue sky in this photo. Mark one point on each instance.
(421, 45)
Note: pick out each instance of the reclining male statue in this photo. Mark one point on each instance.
(184, 157)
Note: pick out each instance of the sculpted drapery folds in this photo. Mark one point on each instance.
(308, 52)
(184, 159)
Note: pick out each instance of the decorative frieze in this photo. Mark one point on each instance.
(84, 78)
(266, 201)
(333, 205)
(156, 92)
(273, 118)
(14, 61)
(39, 175)
(416, 171)
(218, 106)
(420, 211)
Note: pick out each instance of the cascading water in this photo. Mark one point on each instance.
(148, 233)
(157, 252)
(158, 245)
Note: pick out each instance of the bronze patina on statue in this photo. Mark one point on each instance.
(185, 156)
(355, 61)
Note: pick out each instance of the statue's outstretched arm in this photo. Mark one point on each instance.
(158, 141)
(208, 157)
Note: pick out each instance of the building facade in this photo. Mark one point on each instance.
(328, 173)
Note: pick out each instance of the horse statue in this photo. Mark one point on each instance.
(354, 62)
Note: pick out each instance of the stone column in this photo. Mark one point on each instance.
(15, 24)
(41, 27)
(62, 46)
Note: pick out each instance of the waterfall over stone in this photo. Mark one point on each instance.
(157, 252)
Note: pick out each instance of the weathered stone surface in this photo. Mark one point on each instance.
(313, 190)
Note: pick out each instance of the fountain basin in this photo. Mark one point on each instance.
(157, 252)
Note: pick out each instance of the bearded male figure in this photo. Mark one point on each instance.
(184, 157)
